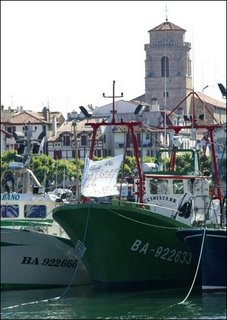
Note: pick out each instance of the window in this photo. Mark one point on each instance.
(57, 154)
(159, 186)
(163, 187)
(178, 187)
(10, 129)
(128, 140)
(154, 186)
(9, 211)
(83, 140)
(66, 140)
(165, 67)
(165, 93)
(98, 153)
(35, 211)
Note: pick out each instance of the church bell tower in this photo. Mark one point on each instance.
(168, 77)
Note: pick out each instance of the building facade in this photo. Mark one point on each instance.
(168, 81)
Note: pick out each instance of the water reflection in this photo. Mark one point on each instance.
(85, 303)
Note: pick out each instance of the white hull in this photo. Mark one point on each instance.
(31, 259)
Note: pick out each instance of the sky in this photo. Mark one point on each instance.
(64, 54)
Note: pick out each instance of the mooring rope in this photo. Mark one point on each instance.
(79, 245)
(80, 249)
(197, 268)
(196, 272)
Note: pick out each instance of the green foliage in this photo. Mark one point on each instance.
(125, 170)
(46, 169)
(95, 158)
(6, 157)
(50, 171)
(131, 162)
(64, 169)
(205, 163)
(149, 159)
(184, 163)
(56, 172)
(42, 166)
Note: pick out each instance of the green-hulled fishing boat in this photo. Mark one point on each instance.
(134, 244)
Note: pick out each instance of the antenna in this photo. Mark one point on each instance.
(165, 70)
(193, 62)
(166, 10)
(113, 96)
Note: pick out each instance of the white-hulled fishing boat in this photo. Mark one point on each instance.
(35, 250)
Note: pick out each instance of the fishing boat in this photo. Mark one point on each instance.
(208, 246)
(208, 242)
(35, 250)
(134, 244)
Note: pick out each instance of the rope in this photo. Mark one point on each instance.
(197, 268)
(80, 254)
(73, 277)
(144, 223)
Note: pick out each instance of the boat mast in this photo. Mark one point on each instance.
(130, 126)
(113, 96)
(210, 128)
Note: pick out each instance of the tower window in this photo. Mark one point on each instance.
(165, 67)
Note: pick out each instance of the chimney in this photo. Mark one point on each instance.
(54, 125)
(154, 105)
(46, 114)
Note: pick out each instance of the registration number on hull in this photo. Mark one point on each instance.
(50, 262)
(163, 253)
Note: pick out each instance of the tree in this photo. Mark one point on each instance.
(6, 157)
(42, 166)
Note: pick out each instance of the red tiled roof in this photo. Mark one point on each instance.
(25, 117)
(210, 100)
(68, 127)
(167, 26)
(52, 113)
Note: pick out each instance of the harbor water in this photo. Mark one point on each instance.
(86, 303)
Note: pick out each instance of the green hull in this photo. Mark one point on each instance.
(128, 246)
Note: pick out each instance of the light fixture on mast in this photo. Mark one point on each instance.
(223, 90)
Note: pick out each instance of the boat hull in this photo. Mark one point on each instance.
(31, 260)
(127, 246)
(213, 259)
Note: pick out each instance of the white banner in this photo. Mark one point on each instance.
(100, 177)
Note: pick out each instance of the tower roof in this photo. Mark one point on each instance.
(167, 26)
